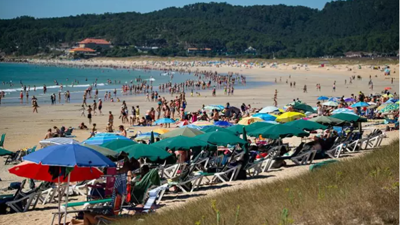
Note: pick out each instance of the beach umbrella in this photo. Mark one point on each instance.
(193, 127)
(279, 131)
(387, 95)
(39, 171)
(343, 110)
(250, 120)
(388, 88)
(328, 121)
(118, 143)
(180, 143)
(232, 110)
(215, 128)
(306, 125)
(222, 123)
(360, 104)
(202, 123)
(322, 98)
(145, 151)
(104, 151)
(164, 121)
(304, 107)
(349, 100)
(102, 138)
(349, 117)
(212, 107)
(257, 125)
(390, 107)
(185, 131)
(69, 156)
(146, 136)
(330, 103)
(4, 152)
(269, 109)
(236, 129)
(289, 116)
(265, 116)
(183, 123)
(57, 141)
(220, 138)
(161, 131)
(62, 162)
(333, 99)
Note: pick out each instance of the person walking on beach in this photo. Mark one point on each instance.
(35, 104)
(110, 118)
(89, 115)
(276, 98)
(83, 110)
(334, 88)
(305, 89)
(100, 106)
(84, 99)
(94, 107)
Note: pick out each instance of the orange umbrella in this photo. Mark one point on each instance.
(388, 88)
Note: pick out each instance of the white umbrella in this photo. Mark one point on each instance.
(330, 103)
(269, 109)
(57, 141)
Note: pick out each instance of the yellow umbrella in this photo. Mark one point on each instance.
(250, 120)
(289, 116)
(387, 96)
(161, 131)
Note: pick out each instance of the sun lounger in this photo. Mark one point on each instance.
(335, 151)
(25, 201)
(226, 176)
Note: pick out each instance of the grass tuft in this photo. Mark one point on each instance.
(363, 190)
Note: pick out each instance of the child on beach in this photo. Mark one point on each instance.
(93, 131)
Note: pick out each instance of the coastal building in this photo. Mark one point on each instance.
(250, 51)
(195, 51)
(94, 43)
(87, 52)
(146, 49)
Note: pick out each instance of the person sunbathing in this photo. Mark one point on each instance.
(49, 134)
(82, 126)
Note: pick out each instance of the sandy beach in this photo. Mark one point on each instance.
(25, 129)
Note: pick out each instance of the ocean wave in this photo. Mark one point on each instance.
(51, 87)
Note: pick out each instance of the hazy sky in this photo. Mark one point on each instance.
(57, 8)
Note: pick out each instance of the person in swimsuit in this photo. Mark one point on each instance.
(94, 107)
(35, 104)
(89, 116)
(100, 106)
(111, 118)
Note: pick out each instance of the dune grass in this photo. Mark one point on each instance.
(363, 190)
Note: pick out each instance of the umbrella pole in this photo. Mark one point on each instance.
(66, 199)
(59, 200)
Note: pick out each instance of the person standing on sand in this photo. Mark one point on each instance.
(84, 99)
(100, 107)
(83, 110)
(305, 89)
(276, 98)
(35, 104)
(334, 88)
(391, 81)
(94, 107)
(89, 116)
(110, 119)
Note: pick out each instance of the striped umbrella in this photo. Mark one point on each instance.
(57, 141)
(102, 138)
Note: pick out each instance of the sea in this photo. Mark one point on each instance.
(13, 76)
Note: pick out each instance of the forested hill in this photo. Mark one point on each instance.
(279, 30)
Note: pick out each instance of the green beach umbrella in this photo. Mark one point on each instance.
(101, 150)
(145, 151)
(349, 117)
(237, 129)
(215, 128)
(185, 131)
(5, 152)
(220, 138)
(181, 143)
(257, 125)
(279, 131)
(306, 125)
(328, 121)
(117, 144)
(304, 107)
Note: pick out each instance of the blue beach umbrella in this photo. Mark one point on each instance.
(222, 124)
(360, 104)
(102, 138)
(164, 120)
(349, 100)
(322, 98)
(265, 116)
(333, 99)
(69, 156)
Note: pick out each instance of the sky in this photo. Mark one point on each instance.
(59, 8)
